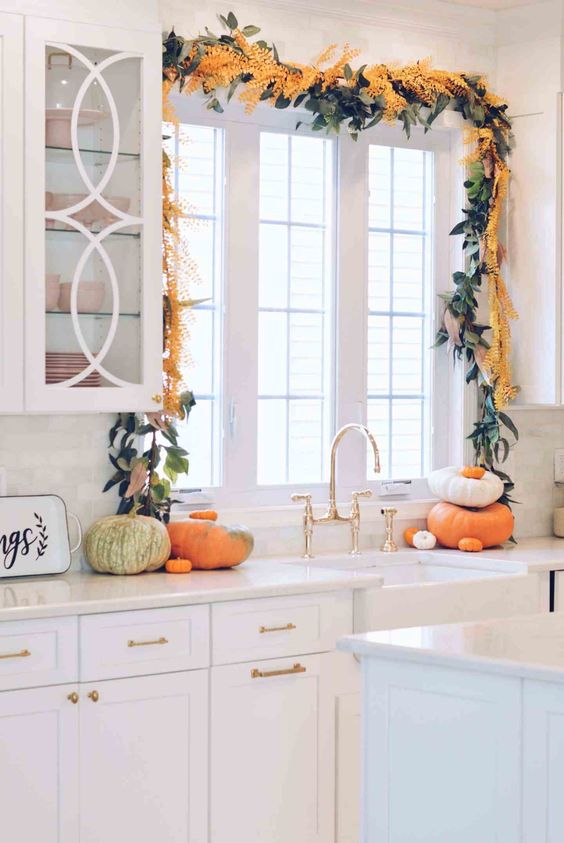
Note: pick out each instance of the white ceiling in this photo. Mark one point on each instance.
(495, 4)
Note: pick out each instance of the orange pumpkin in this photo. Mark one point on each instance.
(470, 545)
(408, 535)
(492, 524)
(473, 472)
(178, 566)
(209, 545)
(204, 515)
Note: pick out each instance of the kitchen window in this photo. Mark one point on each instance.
(321, 264)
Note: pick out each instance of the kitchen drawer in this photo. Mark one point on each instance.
(274, 627)
(38, 652)
(121, 644)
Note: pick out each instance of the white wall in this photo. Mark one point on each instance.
(403, 31)
(529, 67)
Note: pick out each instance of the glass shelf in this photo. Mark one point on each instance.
(72, 232)
(56, 154)
(96, 315)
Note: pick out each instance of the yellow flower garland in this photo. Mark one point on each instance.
(337, 95)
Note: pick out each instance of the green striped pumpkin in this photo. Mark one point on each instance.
(126, 544)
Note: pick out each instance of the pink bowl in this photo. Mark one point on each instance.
(89, 300)
(51, 291)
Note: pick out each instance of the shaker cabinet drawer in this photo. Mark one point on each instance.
(279, 626)
(38, 652)
(121, 644)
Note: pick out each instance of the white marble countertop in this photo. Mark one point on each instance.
(537, 554)
(530, 646)
(85, 592)
(80, 593)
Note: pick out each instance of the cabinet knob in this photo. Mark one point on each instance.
(157, 398)
(94, 696)
(73, 697)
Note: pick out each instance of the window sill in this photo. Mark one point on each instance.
(290, 516)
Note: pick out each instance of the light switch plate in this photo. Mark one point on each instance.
(559, 466)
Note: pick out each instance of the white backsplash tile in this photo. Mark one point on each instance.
(62, 455)
(531, 466)
(67, 455)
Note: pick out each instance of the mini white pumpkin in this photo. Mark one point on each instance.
(449, 485)
(424, 540)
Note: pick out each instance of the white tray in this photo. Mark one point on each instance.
(34, 538)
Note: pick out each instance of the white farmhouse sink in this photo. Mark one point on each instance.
(411, 567)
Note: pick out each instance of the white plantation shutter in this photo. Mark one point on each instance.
(294, 309)
(199, 181)
(399, 306)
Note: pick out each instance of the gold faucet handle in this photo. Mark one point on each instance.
(355, 508)
(366, 493)
(296, 498)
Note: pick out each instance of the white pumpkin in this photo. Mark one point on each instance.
(424, 540)
(449, 485)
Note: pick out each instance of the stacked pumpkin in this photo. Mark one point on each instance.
(131, 544)
(469, 516)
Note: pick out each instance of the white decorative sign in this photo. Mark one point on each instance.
(34, 537)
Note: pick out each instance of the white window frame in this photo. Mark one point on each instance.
(452, 406)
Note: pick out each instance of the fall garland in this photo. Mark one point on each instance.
(339, 96)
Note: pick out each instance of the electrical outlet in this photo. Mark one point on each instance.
(559, 466)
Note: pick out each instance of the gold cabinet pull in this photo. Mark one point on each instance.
(94, 696)
(73, 697)
(157, 398)
(266, 674)
(288, 626)
(161, 640)
(23, 654)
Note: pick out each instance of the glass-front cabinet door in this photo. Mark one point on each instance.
(93, 323)
(11, 213)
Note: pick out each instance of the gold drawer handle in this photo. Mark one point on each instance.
(94, 696)
(23, 654)
(73, 697)
(277, 628)
(161, 640)
(266, 674)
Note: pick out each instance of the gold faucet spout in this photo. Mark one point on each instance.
(332, 511)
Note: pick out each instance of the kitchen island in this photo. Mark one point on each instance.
(463, 732)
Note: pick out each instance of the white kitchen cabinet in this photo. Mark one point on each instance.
(543, 762)
(272, 751)
(441, 755)
(143, 759)
(348, 782)
(39, 765)
(93, 227)
(11, 213)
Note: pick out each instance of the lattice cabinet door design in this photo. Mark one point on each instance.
(93, 326)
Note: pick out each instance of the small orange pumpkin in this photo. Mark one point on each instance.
(408, 535)
(209, 545)
(492, 524)
(204, 515)
(178, 566)
(470, 545)
(473, 472)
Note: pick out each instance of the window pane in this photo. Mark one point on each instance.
(295, 300)
(272, 439)
(198, 154)
(273, 266)
(399, 307)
